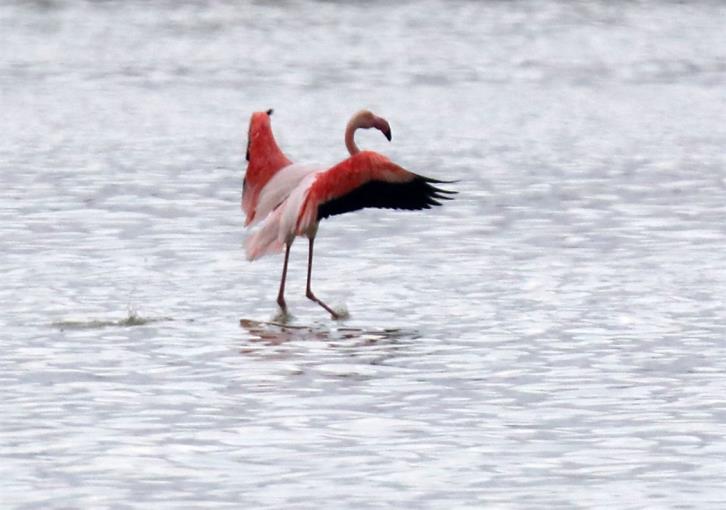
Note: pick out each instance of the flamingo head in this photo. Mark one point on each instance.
(366, 119)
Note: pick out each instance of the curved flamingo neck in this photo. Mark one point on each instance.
(350, 129)
(366, 120)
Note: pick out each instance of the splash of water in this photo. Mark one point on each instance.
(132, 319)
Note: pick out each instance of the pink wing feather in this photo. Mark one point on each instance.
(264, 160)
(367, 179)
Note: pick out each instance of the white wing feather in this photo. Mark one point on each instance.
(279, 188)
(278, 228)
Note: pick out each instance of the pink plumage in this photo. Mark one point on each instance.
(296, 198)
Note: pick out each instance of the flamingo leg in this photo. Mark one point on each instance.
(281, 293)
(308, 291)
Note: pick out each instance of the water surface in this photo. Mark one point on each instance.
(554, 338)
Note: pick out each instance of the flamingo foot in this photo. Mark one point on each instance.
(342, 313)
(282, 316)
(333, 314)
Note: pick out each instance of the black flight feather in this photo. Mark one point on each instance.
(419, 193)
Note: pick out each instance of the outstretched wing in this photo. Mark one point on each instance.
(367, 179)
(418, 193)
(264, 160)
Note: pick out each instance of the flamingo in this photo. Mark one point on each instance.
(365, 179)
(271, 176)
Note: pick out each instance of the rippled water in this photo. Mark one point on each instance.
(554, 338)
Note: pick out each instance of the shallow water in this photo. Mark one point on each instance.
(553, 338)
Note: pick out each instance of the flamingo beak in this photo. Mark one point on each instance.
(382, 125)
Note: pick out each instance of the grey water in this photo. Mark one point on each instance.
(553, 338)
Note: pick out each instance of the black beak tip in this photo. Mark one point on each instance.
(388, 135)
(270, 112)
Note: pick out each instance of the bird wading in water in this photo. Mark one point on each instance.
(292, 198)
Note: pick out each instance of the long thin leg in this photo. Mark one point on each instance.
(309, 291)
(281, 294)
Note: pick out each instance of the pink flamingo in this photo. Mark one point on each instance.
(365, 179)
(271, 176)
